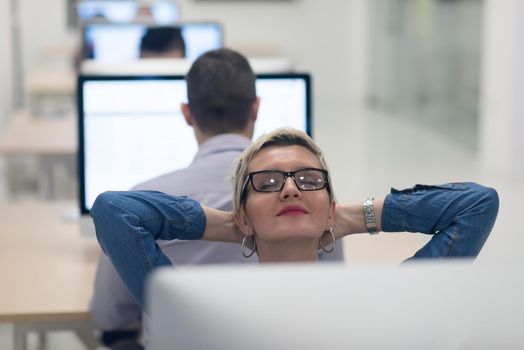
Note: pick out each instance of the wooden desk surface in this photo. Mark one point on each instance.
(51, 81)
(28, 135)
(46, 267)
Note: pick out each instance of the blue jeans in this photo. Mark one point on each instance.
(460, 217)
(129, 223)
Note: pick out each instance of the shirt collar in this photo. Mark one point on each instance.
(222, 143)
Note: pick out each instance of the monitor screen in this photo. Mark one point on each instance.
(121, 42)
(131, 129)
(449, 304)
(162, 12)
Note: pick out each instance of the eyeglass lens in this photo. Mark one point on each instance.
(306, 180)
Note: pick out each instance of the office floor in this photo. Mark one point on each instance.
(54, 341)
(369, 153)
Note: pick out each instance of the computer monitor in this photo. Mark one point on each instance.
(131, 128)
(110, 42)
(432, 305)
(111, 11)
(162, 12)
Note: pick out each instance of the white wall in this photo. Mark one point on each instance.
(5, 61)
(6, 81)
(42, 23)
(502, 109)
(358, 46)
(316, 35)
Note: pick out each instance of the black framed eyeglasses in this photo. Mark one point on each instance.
(307, 179)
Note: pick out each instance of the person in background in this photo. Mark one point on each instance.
(222, 109)
(162, 42)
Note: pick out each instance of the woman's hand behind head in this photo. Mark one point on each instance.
(221, 226)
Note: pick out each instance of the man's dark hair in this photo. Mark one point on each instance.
(221, 91)
(160, 40)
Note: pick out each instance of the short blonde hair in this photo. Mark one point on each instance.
(281, 138)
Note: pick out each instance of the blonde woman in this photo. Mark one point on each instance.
(284, 210)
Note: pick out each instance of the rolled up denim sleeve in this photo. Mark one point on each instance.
(460, 217)
(129, 223)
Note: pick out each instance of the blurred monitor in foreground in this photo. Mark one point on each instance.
(437, 305)
(131, 128)
(121, 42)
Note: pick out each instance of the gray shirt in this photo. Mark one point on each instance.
(208, 180)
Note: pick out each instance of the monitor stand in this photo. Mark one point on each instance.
(87, 227)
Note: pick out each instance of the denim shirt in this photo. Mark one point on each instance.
(460, 217)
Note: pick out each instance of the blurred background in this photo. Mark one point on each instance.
(404, 92)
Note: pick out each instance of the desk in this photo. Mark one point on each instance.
(51, 81)
(162, 66)
(50, 90)
(53, 143)
(25, 134)
(47, 270)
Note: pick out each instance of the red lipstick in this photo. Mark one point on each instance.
(292, 210)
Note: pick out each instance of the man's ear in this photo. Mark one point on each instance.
(186, 112)
(254, 109)
(243, 222)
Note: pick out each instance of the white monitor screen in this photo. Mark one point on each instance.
(131, 129)
(162, 12)
(113, 11)
(121, 42)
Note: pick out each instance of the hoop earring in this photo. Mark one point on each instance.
(246, 252)
(333, 244)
